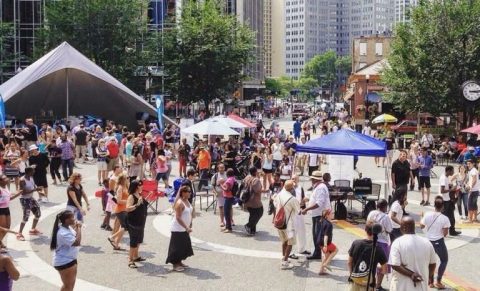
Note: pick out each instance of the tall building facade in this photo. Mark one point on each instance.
(251, 13)
(402, 10)
(274, 38)
(26, 18)
(313, 27)
(371, 17)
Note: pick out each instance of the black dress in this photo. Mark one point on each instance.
(136, 223)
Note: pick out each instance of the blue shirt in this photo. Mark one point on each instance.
(426, 164)
(297, 126)
(65, 251)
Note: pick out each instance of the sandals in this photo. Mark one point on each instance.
(139, 259)
(132, 265)
(179, 269)
(118, 249)
(34, 232)
(20, 237)
(112, 243)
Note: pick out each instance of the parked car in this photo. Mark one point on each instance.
(410, 126)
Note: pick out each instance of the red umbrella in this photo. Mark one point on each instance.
(241, 120)
(474, 129)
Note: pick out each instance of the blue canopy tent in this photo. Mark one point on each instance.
(348, 143)
(345, 142)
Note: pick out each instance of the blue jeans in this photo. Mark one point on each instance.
(462, 198)
(67, 164)
(227, 212)
(442, 253)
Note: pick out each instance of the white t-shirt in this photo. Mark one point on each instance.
(277, 151)
(434, 223)
(397, 208)
(313, 161)
(443, 181)
(474, 173)
(414, 253)
(382, 218)
(321, 197)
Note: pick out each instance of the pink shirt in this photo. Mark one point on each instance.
(229, 185)
(4, 197)
(162, 166)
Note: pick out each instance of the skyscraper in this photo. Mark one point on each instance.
(312, 27)
(274, 38)
(402, 10)
(371, 17)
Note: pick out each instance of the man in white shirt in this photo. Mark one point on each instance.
(312, 163)
(367, 130)
(448, 205)
(300, 230)
(396, 212)
(436, 226)
(473, 187)
(412, 258)
(318, 202)
(380, 216)
(292, 208)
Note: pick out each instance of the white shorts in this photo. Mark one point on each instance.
(102, 166)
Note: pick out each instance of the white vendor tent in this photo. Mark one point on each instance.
(68, 83)
(210, 127)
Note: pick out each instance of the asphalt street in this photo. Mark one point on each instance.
(221, 261)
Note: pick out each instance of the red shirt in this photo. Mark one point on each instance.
(113, 149)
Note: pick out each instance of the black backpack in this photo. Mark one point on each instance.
(370, 206)
(340, 211)
(235, 189)
(361, 269)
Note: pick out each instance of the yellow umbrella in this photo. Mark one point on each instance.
(384, 118)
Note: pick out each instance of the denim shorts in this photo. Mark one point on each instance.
(76, 212)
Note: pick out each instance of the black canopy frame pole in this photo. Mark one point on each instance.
(68, 94)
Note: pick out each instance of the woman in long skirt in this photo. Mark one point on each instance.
(180, 244)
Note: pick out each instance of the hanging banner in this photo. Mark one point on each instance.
(2, 112)
(159, 102)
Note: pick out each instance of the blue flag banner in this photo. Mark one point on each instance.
(2, 112)
(159, 102)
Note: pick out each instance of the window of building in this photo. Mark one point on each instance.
(379, 49)
(363, 48)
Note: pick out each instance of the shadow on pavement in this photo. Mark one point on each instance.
(201, 274)
(91, 250)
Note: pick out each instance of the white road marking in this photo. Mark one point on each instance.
(31, 264)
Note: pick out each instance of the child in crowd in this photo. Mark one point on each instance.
(326, 236)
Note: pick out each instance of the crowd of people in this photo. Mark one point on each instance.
(261, 168)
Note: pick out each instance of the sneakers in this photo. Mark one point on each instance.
(286, 265)
(422, 202)
(108, 228)
(426, 204)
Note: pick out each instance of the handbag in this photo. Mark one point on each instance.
(11, 171)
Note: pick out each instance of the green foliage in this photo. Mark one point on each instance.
(206, 52)
(111, 33)
(432, 56)
(273, 85)
(322, 68)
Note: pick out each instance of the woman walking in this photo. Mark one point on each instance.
(137, 216)
(75, 194)
(461, 178)
(120, 224)
(66, 237)
(102, 165)
(227, 187)
(136, 164)
(267, 168)
(180, 246)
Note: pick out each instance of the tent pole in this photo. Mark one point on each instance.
(68, 97)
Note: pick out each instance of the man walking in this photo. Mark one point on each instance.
(291, 208)
(68, 157)
(81, 143)
(437, 226)
(425, 164)
(319, 201)
(448, 194)
(473, 188)
(401, 171)
(412, 258)
(300, 230)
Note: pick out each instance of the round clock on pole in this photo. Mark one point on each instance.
(471, 90)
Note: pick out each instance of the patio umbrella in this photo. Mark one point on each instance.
(384, 118)
(229, 121)
(474, 129)
(210, 127)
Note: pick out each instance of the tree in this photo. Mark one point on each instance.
(432, 56)
(111, 33)
(206, 52)
(273, 85)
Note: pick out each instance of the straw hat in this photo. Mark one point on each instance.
(317, 175)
